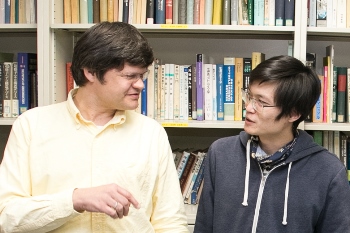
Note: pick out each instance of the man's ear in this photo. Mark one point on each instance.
(89, 75)
(294, 116)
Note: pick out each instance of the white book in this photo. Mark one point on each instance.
(175, 11)
(7, 104)
(150, 92)
(208, 13)
(312, 13)
(177, 92)
(336, 142)
(271, 8)
(330, 13)
(2, 12)
(234, 12)
(208, 92)
(341, 14)
(120, 11)
(183, 92)
(83, 8)
(162, 92)
(15, 100)
(215, 103)
(171, 91)
(166, 91)
(131, 12)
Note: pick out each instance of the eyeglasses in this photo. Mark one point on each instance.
(257, 104)
(135, 77)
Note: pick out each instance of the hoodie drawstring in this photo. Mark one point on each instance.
(286, 192)
(246, 181)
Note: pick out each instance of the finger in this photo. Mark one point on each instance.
(130, 197)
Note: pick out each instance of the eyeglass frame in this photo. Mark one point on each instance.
(135, 77)
(254, 101)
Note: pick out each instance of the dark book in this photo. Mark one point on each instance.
(247, 68)
(289, 7)
(220, 92)
(125, 11)
(194, 92)
(189, 92)
(160, 12)
(14, 99)
(2, 83)
(341, 94)
(34, 90)
(96, 11)
(27, 64)
(182, 11)
(150, 12)
(279, 12)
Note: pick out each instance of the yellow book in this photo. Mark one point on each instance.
(257, 58)
(103, 10)
(217, 12)
(75, 11)
(67, 11)
(110, 10)
(238, 87)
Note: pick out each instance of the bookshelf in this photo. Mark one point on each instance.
(53, 41)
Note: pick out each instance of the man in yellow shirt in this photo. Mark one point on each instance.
(91, 163)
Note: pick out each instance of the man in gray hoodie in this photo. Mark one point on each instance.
(273, 177)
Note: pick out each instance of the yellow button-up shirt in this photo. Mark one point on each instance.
(52, 150)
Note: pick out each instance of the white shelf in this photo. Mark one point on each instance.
(203, 124)
(18, 27)
(7, 121)
(327, 126)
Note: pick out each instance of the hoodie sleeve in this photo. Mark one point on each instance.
(204, 218)
(335, 216)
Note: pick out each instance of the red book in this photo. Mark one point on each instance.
(169, 12)
(69, 77)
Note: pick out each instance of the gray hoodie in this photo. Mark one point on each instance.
(309, 192)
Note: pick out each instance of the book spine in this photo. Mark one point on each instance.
(185, 93)
(15, 105)
(75, 11)
(199, 179)
(348, 97)
(189, 91)
(195, 171)
(208, 13)
(144, 98)
(228, 78)
(259, 12)
(214, 99)
(220, 92)
(7, 89)
(169, 11)
(335, 90)
(177, 92)
(317, 112)
(125, 11)
(150, 12)
(325, 93)
(279, 12)
(194, 92)
(182, 11)
(175, 11)
(171, 91)
(160, 12)
(217, 12)
(2, 83)
(226, 12)
(341, 94)
(321, 13)
(238, 87)
(208, 94)
(150, 92)
(247, 67)
(289, 12)
(312, 13)
(199, 73)
(234, 12)
(189, 11)
(90, 16)
(83, 11)
(182, 163)
(272, 19)
(96, 11)
(7, 11)
(186, 171)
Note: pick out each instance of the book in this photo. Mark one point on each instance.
(289, 12)
(247, 67)
(208, 13)
(150, 12)
(67, 11)
(250, 9)
(234, 12)
(187, 171)
(348, 97)
(238, 88)
(217, 12)
(197, 183)
(208, 91)
(257, 58)
(2, 16)
(195, 171)
(220, 92)
(243, 13)
(150, 92)
(182, 11)
(341, 94)
(226, 12)
(189, 11)
(83, 14)
(27, 64)
(75, 11)
(259, 12)
(312, 13)
(183, 161)
(15, 104)
(7, 90)
(321, 13)
(199, 77)
(96, 11)
(341, 14)
(144, 98)
(189, 92)
(317, 110)
(214, 99)
(183, 92)
(279, 12)
(229, 88)
(160, 12)
(125, 11)
(177, 92)
(196, 11)
(194, 91)
(318, 137)
(168, 11)
(330, 57)
(334, 93)
(175, 11)
(2, 86)
(325, 89)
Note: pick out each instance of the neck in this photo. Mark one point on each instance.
(271, 144)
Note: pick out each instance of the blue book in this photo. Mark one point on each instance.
(160, 12)
(197, 184)
(7, 11)
(90, 11)
(279, 13)
(144, 99)
(220, 91)
(229, 88)
(27, 65)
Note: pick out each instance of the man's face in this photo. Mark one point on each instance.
(121, 88)
(263, 122)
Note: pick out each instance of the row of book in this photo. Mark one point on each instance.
(333, 104)
(18, 11)
(336, 142)
(329, 13)
(18, 83)
(216, 12)
(203, 90)
(189, 164)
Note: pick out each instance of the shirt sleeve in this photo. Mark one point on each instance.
(19, 210)
(169, 212)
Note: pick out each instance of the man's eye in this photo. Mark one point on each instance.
(131, 77)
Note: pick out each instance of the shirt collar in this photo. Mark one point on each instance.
(118, 119)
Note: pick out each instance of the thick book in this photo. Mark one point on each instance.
(289, 6)
(208, 12)
(229, 88)
(220, 91)
(243, 13)
(150, 12)
(103, 10)
(279, 12)
(160, 12)
(27, 65)
(341, 94)
(238, 88)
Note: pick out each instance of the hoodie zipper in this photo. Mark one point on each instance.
(260, 194)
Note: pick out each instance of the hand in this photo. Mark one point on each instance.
(109, 199)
